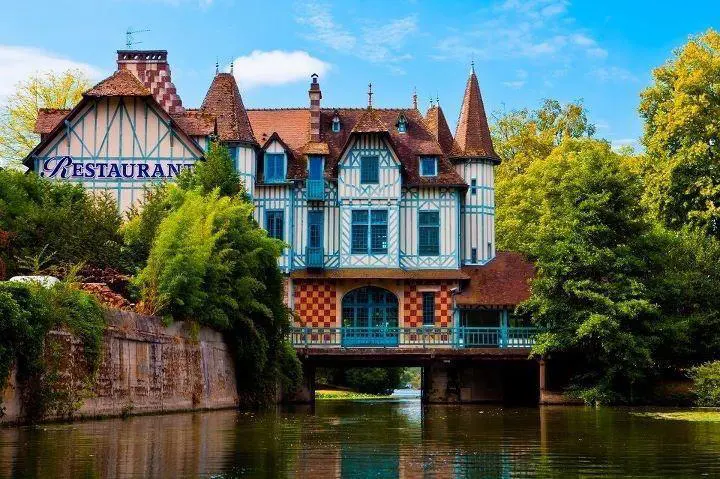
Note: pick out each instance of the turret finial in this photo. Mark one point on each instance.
(370, 94)
(232, 66)
(472, 66)
(217, 66)
(414, 98)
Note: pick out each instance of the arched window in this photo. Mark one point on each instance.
(370, 317)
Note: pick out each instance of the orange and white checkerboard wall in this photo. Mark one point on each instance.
(315, 304)
(413, 308)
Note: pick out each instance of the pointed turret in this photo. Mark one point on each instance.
(223, 100)
(473, 133)
(438, 126)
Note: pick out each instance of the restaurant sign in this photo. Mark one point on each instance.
(68, 168)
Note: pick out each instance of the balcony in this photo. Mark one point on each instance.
(314, 257)
(315, 190)
(421, 337)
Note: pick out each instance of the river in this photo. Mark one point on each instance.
(364, 439)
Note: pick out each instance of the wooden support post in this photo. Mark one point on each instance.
(504, 328)
(543, 380)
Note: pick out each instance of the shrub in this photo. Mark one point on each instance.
(706, 378)
(58, 220)
(27, 313)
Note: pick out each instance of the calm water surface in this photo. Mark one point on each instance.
(361, 439)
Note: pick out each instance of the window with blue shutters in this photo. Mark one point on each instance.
(274, 167)
(428, 299)
(369, 169)
(428, 166)
(429, 233)
(369, 233)
(275, 223)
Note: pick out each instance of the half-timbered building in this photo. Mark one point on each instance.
(387, 216)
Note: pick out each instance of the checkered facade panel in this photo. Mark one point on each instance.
(156, 77)
(316, 304)
(413, 305)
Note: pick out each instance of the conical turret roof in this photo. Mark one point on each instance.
(473, 133)
(223, 100)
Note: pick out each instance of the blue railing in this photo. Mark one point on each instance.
(315, 190)
(423, 336)
(314, 257)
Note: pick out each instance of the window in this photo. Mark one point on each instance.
(233, 155)
(428, 166)
(473, 255)
(369, 169)
(429, 233)
(369, 233)
(275, 223)
(274, 167)
(428, 299)
(473, 186)
(336, 124)
(402, 125)
(489, 255)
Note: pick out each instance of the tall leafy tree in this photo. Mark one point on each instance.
(681, 110)
(590, 242)
(521, 138)
(20, 112)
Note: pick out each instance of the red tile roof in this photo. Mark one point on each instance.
(380, 273)
(438, 126)
(223, 100)
(120, 83)
(293, 126)
(195, 122)
(473, 133)
(503, 282)
(49, 118)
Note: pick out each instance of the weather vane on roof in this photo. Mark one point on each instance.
(370, 94)
(129, 39)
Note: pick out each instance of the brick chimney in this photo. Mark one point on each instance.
(152, 68)
(315, 97)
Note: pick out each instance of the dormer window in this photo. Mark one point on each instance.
(428, 166)
(274, 167)
(402, 124)
(336, 123)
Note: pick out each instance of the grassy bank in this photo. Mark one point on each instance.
(695, 415)
(336, 394)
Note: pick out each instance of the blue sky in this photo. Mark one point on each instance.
(524, 51)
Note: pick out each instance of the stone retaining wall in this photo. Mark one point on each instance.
(146, 368)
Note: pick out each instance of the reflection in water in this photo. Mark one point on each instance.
(361, 439)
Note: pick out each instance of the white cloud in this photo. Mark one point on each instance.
(373, 41)
(614, 74)
(532, 29)
(325, 30)
(515, 84)
(17, 63)
(276, 67)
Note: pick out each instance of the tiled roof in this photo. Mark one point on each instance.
(438, 126)
(380, 273)
(473, 133)
(195, 122)
(120, 83)
(503, 282)
(49, 118)
(293, 126)
(370, 122)
(223, 100)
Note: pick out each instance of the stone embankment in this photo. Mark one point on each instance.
(146, 368)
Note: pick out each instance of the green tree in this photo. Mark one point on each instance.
(681, 110)
(591, 244)
(58, 220)
(522, 137)
(217, 171)
(18, 116)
